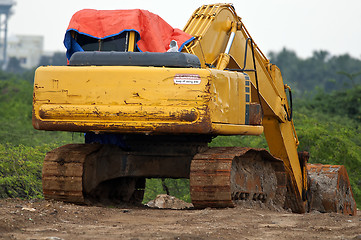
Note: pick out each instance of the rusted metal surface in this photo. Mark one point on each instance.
(68, 177)
(63, 172)
(255, 114)
(220, 177)
(117, 113)
(85, 173)
(201, 127)
(330, 189)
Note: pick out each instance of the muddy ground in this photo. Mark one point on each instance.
(55, 221)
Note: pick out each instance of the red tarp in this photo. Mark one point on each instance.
(155, 33)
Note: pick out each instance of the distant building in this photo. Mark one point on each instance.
(27, 49)
(5, 12)
(7, 3)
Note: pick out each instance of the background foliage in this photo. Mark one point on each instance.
(327, 118)
(320, 72)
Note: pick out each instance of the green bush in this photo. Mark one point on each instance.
(330, 141)
(240, 141)
(20, 171)
(22, 148)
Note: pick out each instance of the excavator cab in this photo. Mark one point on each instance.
(123, 42)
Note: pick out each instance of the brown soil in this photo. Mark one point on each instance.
(55, 221)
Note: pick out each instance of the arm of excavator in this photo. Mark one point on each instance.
(223, 42)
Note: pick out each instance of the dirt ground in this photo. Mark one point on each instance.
(55, 221)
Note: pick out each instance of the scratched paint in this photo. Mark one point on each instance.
(119, 99)
(228, 97)
(138, 99)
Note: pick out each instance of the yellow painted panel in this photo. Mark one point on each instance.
(228, 97)
(139, 99)
(121, 99)
(233, 129)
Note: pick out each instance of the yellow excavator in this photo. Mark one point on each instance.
(151, 114)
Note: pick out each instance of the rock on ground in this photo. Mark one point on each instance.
(168, 202)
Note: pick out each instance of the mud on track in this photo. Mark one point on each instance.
(55, 220)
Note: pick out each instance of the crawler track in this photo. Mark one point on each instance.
(220, 177)
(63, 173)
(68, 176)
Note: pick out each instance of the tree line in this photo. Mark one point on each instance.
(322, 72)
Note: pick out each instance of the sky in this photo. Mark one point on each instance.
(303, 26)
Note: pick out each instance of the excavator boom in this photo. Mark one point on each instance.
(243, 55)
(235, 50)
